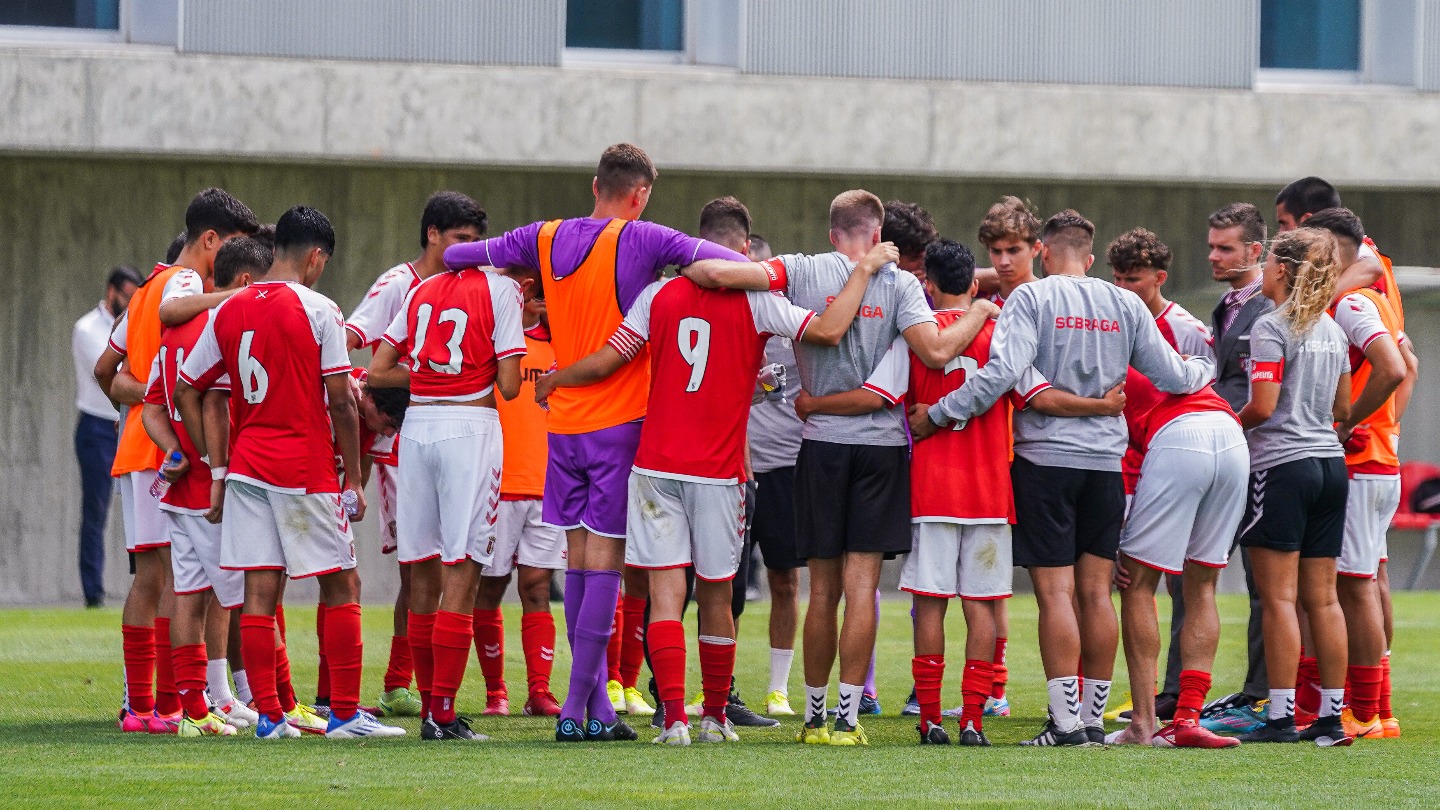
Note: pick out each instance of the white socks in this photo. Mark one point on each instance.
(242, 687)
(780, 661)
(1065, 702)
(1282, 704)
(1097, 694)
(850, 695)
(815, 697)
(217, 681)
(1331, 702)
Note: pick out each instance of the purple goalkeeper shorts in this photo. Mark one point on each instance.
(587, 479)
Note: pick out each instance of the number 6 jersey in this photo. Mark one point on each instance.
(277, 341)
(705, 352)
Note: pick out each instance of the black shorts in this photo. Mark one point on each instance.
(774, 527)
(851, 498)
(1062, 512)
(1297, 506)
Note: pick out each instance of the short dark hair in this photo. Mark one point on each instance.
(760, 246)
(302, 228)
(855, 210)
(239, 255)
(1244, 216)
(1339, 221)
(176, 245)
(266, 235)
(623, 167)
(1010, 218)
(950, 266)
(1139, 249)
(1308, 195)
(725, 220)
(450, 209)
(392, 402)
(1069, 231)
(909, 226)
(214, 209)
(123, 274)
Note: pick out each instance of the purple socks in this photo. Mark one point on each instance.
(589, 634)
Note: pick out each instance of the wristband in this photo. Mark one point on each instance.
(218, 473)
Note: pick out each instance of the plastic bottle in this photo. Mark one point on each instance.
(162, 484)
(351, 502)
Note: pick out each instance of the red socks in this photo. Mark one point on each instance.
(667, 659)
(615, 649)
(1194, 685)
(537, 638)
(344, 647)
(451, 642)
(167, 700)
(717, 667)
(632, 650)
(977, 684)
(189, 663)
(1365, 684)
(1307, 688)
(138, 644)
(401, 668)
(257, 647)
(284, 688)
(928, 672)
(422, 629)
(489, 628)
(1386, 712)
(322, 679)
(1002, 673)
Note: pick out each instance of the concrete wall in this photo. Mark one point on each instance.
(65, 221)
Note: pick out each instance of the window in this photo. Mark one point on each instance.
(628, 25)
(91, 14)
(1310, 34)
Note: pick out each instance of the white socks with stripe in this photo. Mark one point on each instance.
(1097, 694)
(1331, 702)
(815, 697)
(1065, 702)
(780, 661)
(850, 695)
(1282, 704)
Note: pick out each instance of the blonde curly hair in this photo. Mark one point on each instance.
(1310, 260)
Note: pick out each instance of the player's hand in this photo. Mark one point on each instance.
(1121, 577)
(920, 425)
(544, 387)
(175, 473)
(1114, 400)
(217, 501)
(1355, 439)
(986, 307)
(804, 405)
(359, 503)
(882, 254)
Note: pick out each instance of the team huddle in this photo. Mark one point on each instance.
(548, 400)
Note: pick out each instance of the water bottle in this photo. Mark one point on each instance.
(351, 502)
(162, 484)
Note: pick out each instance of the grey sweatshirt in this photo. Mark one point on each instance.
(1081, 334)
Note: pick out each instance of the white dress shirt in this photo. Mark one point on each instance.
(87, 343)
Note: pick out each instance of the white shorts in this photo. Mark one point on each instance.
(1191, 494)
(672, 524)
(140, 512)
(1369, 508)
(521, 539)
(969, 560)
(195, 559)
(449, 489)
(386, 481)
(304, 535)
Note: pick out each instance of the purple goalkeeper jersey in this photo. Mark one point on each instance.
(644, 249)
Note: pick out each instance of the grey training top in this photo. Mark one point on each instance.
(893, 302)
(1308, 369)
(1081, 334)
(774, 426)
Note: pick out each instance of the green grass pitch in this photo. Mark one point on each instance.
(59, 748)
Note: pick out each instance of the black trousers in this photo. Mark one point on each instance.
(95, 440)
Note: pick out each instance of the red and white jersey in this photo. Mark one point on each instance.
(191, 494)
(277, 341)
(1361, 320)
(380, 448)
(1147, 409)
(382, 302)
(454, 328)
(185, 283)
(706, 347)
(962, 476)
(1185, 332)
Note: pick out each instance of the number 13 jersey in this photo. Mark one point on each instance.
(706, 347)
(277, 341)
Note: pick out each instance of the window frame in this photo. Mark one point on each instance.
(60, 33)
(637, 57)
(1313, 77)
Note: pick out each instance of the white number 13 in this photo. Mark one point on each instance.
(694, 340)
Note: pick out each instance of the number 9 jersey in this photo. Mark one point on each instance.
(453, 329)
(278, 341)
